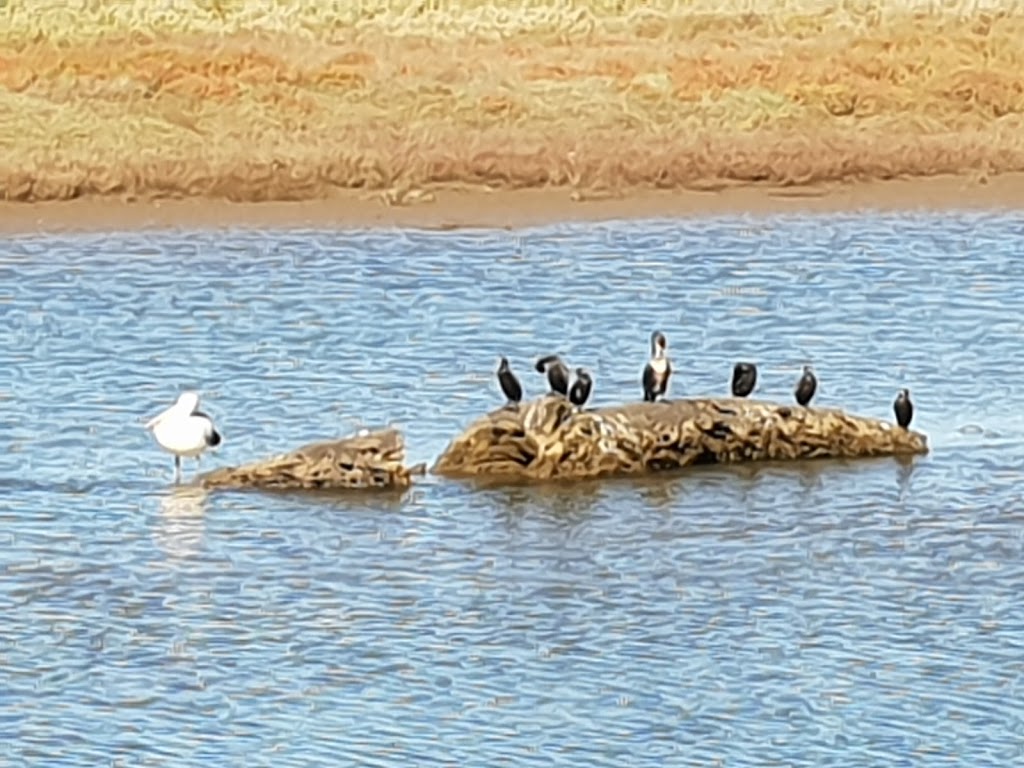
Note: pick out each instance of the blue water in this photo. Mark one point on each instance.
(831, 614)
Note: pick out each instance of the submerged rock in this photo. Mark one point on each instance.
(370, 460)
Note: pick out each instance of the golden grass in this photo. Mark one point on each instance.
(257, 100)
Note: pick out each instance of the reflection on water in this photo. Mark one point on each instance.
(179, 530)
(828, 613)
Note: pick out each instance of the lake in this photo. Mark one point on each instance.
(826, 614)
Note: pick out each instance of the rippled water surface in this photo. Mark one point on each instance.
(832, 614)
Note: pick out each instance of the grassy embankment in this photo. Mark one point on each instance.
(271, 100)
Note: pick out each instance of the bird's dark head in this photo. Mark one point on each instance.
(658, 342)
(581, 373)
(546, 362)
(904, 394)
(808, 369)
(502, 363)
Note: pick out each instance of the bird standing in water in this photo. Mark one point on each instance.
(744, 377)
(580, 392)
(904, 409)
(806, 386)
(184, 430)
(510, 385)
(557, 371)
(658, 369)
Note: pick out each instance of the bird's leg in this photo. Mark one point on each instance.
(177, 469)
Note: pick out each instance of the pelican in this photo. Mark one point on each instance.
(184, 430)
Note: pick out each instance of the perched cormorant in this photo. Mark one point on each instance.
(580, 392)
(184, 430)
(744, 377)
(806, 387)
(657, 370)
(510, 385)
(557, 371)
(904, 408)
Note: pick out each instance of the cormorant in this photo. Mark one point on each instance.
(658, 369)
(557, 371)
(510, 385)
(904, 408)
(580, 392)
(806, 387)
(744, 377)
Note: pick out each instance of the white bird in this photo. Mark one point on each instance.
(184, 430)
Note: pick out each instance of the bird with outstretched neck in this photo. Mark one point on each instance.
(903, 408)
(658, 369)
(510, 386)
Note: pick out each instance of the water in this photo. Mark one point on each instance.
(835, 614)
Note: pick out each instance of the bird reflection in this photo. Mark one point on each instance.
(662, 491)
(181, 525)
(810, 473)
(904, 471)
(569, 506)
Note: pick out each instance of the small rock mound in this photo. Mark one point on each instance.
(548, 438)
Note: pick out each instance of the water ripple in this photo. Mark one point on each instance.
(824, 615)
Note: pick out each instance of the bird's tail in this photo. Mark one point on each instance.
(154, 421)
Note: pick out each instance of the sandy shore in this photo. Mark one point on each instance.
(451, 209)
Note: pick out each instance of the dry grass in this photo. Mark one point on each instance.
(274, 100)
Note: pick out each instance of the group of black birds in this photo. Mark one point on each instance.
(558, 379)
(655, 381)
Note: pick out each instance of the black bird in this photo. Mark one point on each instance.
(510, 385)
(904, 408)
(806, 387)
(658, 369)
(744, 377)
(580, 392)
(557, 371)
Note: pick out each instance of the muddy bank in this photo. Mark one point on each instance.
(453, 209)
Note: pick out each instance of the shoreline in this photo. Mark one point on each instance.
(465, 208)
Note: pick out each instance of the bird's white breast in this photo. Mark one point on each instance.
(659, 365)
(185, 436)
